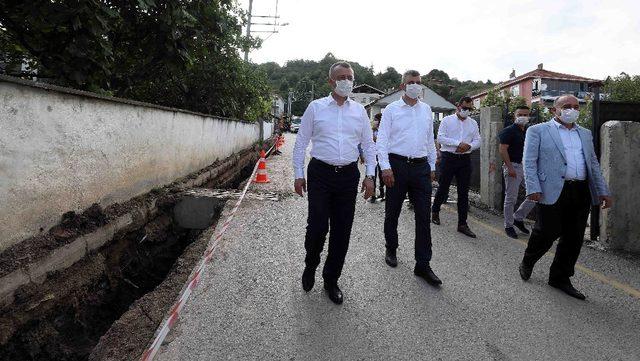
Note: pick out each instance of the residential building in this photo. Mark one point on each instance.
(365, 94)
(542, 86)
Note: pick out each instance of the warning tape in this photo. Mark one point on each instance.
(194, 278)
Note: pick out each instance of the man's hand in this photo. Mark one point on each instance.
(367, 188)
(387, 178)
(605, 202)
(433, 176)
(300, 185)
(512, 172)
(536, 197)
(463, 147)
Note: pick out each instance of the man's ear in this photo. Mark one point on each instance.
(403, 86)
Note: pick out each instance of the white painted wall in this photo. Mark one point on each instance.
(61, 152)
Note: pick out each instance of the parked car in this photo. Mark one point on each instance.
(295, 124)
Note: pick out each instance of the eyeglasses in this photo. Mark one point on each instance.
(466, 108)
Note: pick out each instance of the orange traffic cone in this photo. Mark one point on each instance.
(261, 175)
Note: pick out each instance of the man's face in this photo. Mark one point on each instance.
(566, 102)
(341, 73)
(410, 80)
(522, 113)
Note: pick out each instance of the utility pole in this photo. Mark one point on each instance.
(246, 51)
(261, 25)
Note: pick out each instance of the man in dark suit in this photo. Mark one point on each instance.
(563, 175)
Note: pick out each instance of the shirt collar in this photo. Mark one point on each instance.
(333, 100)
(560, 125)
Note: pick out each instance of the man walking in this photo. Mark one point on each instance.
(407, 156)
(458, 136)
(511, 149)
(563, 175)
(335, 125)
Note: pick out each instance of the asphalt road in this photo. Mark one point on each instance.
(250, 304)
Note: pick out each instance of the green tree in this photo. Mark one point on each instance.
(624, 88)
(170, 52)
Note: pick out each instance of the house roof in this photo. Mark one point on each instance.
(366, 88)
(435, 101)
(537, 73)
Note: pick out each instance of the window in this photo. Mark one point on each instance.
(515, 90)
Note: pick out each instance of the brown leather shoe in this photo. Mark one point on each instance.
(464, 229)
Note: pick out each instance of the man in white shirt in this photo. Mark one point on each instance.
(335, 125)
(407, 156)
(458, 136)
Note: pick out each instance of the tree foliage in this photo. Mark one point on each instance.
(623, 88)
(180, 53)
(297, 76)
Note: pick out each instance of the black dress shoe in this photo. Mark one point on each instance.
(525, 272)
(435, 218)
(511, 232)
(334, 293)
(464, 229)
(427, 274)
(390, 258)
(521, 227)
(567, 288)
(308, 279)
(373, 199)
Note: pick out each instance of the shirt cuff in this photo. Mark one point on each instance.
(384, 165)
(433, 166)
(371, 170)
(299, 173)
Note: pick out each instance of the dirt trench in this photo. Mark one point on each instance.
(109, 304)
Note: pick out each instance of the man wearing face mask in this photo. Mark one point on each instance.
(458, 136)
(407, 156)
(563, 175)
(335, 125)
(511, 148)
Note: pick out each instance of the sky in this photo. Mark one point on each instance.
(470, 39)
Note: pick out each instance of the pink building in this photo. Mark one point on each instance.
(542, 86)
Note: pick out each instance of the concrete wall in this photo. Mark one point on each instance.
(63, 150)
(490, 162)
(620, 161)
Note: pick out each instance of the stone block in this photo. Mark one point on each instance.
(10, 283)
(620, 162)
(491, 124)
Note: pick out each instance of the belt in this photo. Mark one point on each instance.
(408, 159)
(335, 168)
(458, 155)
(575, 181)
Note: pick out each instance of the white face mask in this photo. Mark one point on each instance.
(464, 113)
(569, 115)
(521, 120)
(344, 87)
(413, 90)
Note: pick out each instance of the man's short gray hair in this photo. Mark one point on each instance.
(409, 73)
(342, 64)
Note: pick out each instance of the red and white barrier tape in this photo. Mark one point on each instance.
(194, 278)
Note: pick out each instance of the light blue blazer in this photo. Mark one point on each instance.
(545, 163)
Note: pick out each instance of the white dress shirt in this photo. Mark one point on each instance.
(407, 131)
(576, 166)
(453, 131)
(335, 132)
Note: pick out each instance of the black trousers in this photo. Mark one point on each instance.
(459, 166)
(332, 195)
(567, 219)
(415, 179)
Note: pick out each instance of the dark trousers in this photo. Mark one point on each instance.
(567, 219)
(458, 166)
(415, 179)
(378, 178)
(332, 201)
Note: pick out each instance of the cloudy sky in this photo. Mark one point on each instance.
(469, 39)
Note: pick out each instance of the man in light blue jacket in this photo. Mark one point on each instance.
(563, 175)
